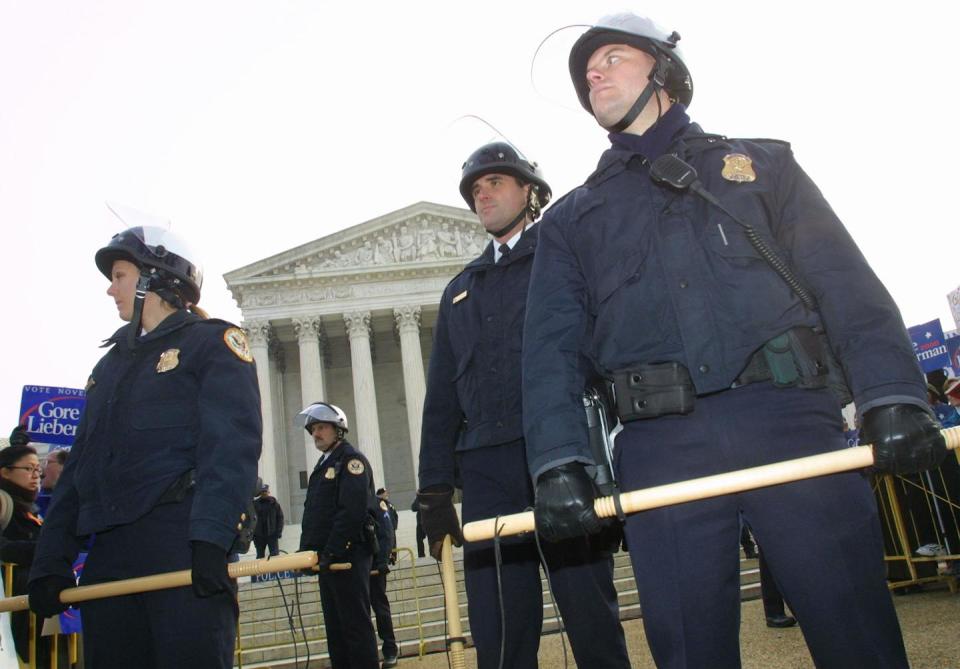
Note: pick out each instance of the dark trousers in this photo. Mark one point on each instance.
(496, 482)
(381, 610)
(821, 536)
(263, 543)
(166, 629)
(345, 599)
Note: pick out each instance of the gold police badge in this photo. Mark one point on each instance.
(738, 167)
(236, 341)
(355, 467)
(169, 359)
(330, 473)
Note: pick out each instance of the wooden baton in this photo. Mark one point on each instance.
(787, 471)
(173, 579)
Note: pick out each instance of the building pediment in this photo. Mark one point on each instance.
(424, 236)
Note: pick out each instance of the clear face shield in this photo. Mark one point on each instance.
(166, 248)
(552, 64)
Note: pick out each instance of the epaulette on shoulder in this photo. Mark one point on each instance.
(219, 322)
(763, 140)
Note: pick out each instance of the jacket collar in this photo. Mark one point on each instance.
(174, 321)
(526, 245)
(688, 142)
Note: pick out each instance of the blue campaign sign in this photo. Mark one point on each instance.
(52, 414)
(929, 346)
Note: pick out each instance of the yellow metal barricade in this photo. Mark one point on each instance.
(421, 645)
(55, 640)
(921, 511)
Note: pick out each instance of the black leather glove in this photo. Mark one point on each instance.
(383, 568)
(44, 594)
(906, 439)
(438, 517)
(564, 503)
(393, 556)
(209, 569)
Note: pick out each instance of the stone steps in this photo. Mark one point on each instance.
(266, 639)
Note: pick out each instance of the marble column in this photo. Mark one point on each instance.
(259, 333)
(365, 429)
(312, 382)
(281, 484)
(414, 384)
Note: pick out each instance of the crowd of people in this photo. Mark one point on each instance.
(700, 284)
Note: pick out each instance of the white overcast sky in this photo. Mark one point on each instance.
(259, 126)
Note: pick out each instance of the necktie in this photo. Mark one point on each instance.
(504, 254)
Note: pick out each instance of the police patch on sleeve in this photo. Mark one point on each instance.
(236, 341)
(355, 467)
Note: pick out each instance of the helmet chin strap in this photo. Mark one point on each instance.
(143, 284)
(511, 225)
(656, 83)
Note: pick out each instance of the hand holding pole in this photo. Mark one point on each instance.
(788, 471)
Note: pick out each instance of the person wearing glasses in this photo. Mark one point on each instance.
(19, 484)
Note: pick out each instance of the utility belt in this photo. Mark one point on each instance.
(184, 485)
(800, 357)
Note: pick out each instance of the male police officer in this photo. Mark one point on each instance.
(717, 354)
(337, 523)
(473, 407)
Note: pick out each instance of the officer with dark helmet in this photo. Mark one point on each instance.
(339, 516)
(164, 458)
(472, 412)
(711, 283)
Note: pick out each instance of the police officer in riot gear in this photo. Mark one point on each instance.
(339, 516)
(163, 460)
(719, 361)
(472, 412)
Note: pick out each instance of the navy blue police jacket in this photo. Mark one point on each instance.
(185, 398)
(386, 534)
(628, 271)
(339, 501)
(473, 382)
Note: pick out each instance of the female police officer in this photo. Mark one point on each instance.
(161, 470)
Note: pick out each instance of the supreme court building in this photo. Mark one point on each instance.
(348, 319)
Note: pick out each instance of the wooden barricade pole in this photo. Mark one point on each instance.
(173, 579)
(834, 462)
(455, 636)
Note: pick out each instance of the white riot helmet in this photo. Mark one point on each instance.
(321, 412)
(670, 73)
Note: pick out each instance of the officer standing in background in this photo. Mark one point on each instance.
(269, 527)
(161, 469)
(386, 550)
(472, 411)
(384, 497)
(338, 523)
(716, 348)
